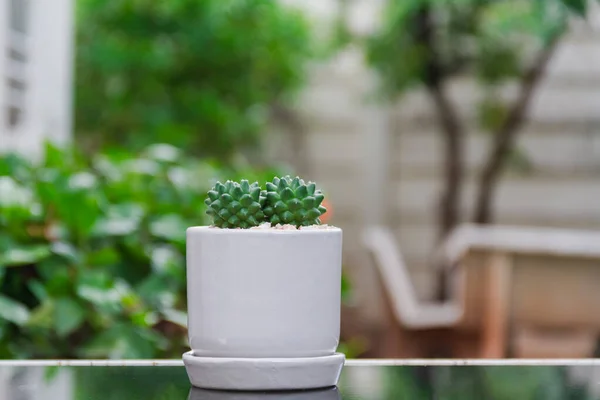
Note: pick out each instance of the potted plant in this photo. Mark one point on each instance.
(264, 289)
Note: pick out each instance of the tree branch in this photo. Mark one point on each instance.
(450, 125)
(505, 136)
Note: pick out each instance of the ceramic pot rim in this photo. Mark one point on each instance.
(262, 231)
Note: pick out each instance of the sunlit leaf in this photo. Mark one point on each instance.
(163, 152)
(24, 255)
(170, 227)
(13, 194)
(166, 259)
(122, 219)
(82, 181)
(99, 296)
(66, 250)
(13, 311)
(43, 315)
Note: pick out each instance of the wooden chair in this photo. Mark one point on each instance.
(523, 292)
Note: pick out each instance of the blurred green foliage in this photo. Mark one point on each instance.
(200, 75)
(468, 382)
(121, 383)
(422, 42)
(92, 251)
(502, 46)
(385, 383)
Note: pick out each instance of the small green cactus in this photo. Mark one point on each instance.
(236, 205)
(291, 201)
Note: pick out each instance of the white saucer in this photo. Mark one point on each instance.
(263, 373)
(313, 394)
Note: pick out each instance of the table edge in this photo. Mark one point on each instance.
(349, 362)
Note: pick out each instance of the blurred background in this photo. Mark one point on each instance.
(457, 142)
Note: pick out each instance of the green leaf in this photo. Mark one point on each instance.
(577, 6)
(121, 341)
(56, 276)
(82, 181)
(142, 167)
(68, 316)
(163, 152)
(491, 114)
(497, 62)
(15, 166)
(103, 257)
(156, 290)
(13, 311)
(67, 251)
(122, 219)
(166, 259)
(170, 227)
(38, 289)
(24, 255)
(103, 297)
(42, 316)
(346, 288)
(12, 194)
(54, 155)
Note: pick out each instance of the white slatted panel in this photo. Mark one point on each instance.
(15, 54)
(35, 74)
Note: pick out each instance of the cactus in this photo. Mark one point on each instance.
(291, 201)
(236, 205)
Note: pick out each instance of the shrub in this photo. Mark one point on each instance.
(92, 252)
(196, 74)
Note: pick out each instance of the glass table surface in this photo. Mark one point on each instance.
(361, 379)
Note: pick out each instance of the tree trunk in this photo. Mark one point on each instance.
(505, 137)
(449, 206)
(453, 132)
(449, 124)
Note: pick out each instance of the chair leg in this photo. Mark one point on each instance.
(497, 307)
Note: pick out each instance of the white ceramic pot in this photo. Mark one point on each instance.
(263, 293)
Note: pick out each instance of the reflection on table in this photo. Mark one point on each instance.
(356, 383)
(319, 394)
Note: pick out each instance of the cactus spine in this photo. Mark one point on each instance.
(236, 205)
(292, 201)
